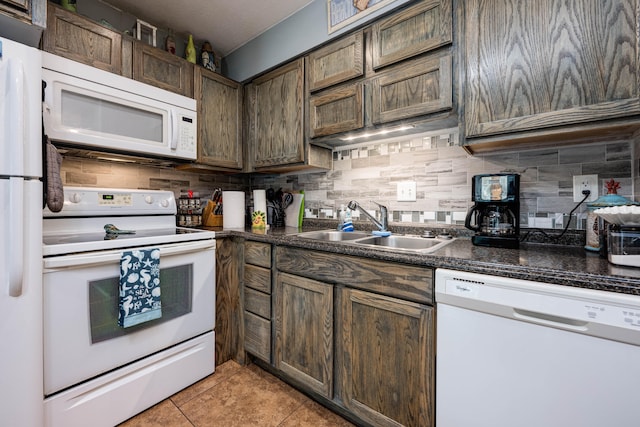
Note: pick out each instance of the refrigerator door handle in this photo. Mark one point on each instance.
(16, 236)
(15, 126)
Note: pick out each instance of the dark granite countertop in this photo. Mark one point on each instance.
(563, 265)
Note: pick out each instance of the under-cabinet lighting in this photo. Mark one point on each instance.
(115, 159)
(377, 133)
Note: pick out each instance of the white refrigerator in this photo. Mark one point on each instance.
(21, 364)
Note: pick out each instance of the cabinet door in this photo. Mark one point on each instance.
(219, 119)
(32, 12)
(162, 69)
(422, 86)
(75, 37)
(336, 110)
(276, 122)
(304, 331)
(413, 31)
(21, 5)
(336, 62)
(388, 363)
(547, 63)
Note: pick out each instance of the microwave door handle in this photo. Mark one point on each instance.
(16, 236)
(173, 122)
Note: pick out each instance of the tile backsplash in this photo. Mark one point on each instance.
(368, 172)
(443, 172)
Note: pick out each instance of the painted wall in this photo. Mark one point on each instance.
(294, 36)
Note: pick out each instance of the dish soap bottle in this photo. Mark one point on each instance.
(347, 225)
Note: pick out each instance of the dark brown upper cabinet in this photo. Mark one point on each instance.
(335, 63)
(415, 30)
(162, 69)
(549, 67)
(80, 39)
(416, 88)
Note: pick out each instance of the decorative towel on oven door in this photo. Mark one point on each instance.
(139, 287)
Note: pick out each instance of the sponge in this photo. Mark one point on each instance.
(381, 233)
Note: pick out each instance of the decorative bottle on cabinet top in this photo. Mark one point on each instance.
(190, 51)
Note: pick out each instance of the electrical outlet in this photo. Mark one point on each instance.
(406, 191)
(585, 182)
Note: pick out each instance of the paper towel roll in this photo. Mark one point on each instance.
(233, 209)
(260, 201)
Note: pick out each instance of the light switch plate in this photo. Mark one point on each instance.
(406, 191)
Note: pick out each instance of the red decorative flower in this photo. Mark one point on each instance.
(612, 186)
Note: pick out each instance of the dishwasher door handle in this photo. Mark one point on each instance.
(550, 320)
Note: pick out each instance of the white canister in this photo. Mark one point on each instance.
(233, 209)
(260, 201)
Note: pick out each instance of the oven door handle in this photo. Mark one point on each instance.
(106, 257)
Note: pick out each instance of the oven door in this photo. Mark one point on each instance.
(82, 338)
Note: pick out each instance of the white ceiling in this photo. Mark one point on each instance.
(226, 24)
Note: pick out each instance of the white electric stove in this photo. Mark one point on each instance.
(95, 371)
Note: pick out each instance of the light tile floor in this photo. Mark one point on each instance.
(237, 396)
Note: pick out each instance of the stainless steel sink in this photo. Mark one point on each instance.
(333, 235)
(410, 243)
(406, 243)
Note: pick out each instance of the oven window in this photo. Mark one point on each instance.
(176, 286)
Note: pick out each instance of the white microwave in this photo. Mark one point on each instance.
(89, 108)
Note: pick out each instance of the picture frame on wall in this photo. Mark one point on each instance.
(342, 13)
(146, 32)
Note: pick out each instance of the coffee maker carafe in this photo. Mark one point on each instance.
(495, 217)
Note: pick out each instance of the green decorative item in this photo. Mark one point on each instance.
(190, 51)
(69, 5)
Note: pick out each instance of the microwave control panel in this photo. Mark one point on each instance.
(187, 134)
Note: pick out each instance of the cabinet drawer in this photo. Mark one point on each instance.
(257, 336)
(336, 110)
(419, 87)
(335, 63)
(418, 29)
(258, 254)
(257, 303)
(406, 282)
(257, 278)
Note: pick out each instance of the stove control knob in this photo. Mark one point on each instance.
(165, 203)
(75, 198)
(148, 199)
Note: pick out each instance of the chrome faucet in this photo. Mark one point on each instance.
(383, 224)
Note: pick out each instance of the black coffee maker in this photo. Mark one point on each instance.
(495, 217)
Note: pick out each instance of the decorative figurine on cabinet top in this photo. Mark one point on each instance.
(207, 56)
(170, 43)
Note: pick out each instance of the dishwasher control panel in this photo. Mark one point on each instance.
(580, 310)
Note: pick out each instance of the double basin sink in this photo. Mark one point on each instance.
(406, 243)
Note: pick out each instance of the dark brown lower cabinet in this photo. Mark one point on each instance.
(304, 331)
(387, 359)
(358, 333)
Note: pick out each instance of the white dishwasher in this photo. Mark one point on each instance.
(515, 353)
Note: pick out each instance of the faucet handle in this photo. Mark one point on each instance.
(383, 208)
